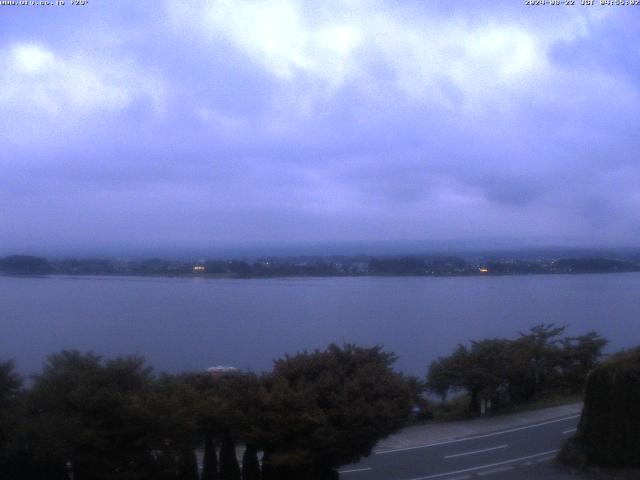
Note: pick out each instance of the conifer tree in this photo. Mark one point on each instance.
(210, 460)
(250, 465)
(229, 468)
(188, 465)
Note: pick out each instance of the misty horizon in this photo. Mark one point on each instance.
(475, 249)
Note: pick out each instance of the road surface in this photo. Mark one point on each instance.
(521, 452)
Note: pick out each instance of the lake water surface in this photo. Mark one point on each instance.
(193, 323)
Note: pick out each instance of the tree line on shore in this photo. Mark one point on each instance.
(114, 419)
(317, 266)
(540, 362)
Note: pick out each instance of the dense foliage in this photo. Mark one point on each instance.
(609, 430)
(326, 409)
(505, 371)
(24, 264)
(113, 419)
(323, 266)
(10, 384)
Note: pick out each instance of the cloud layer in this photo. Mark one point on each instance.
(193, 124)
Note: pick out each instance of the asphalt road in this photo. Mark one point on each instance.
(523, 452)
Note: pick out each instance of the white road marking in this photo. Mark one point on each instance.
(545, 459)
(478, 436)
(571, 430)
(354, 470)
(494, 470)
(482, 467)
(477, 451)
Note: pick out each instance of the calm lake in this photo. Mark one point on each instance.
(193, 323)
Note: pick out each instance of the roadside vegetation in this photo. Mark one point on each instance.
(540, 367)
(113, 419)
(608, 435)
(89, 418)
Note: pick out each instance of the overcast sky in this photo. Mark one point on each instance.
(162, 124)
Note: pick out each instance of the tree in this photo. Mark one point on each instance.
(229, 468)
(481, 371)
(329, 408)
(446, 374)
(250, 464)
(506, 371)
(440, 379)
(537, 354)
(419, 404)
(580, 355)
(18, 460)
(397, 266)
(608, 433)
(173, 404)
(487, 371)
(10, 384)
(209, 459)
(188, 466)
(92, 414)
(227, 411)
(24, 264)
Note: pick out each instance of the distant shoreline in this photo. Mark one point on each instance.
(343, 266)
(276, 277)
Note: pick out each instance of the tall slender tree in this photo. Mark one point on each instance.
(229, 467)
(250, 464)
(210, 459)
(188, 465)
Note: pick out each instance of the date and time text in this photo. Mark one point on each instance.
(584, 3)
(43, 3)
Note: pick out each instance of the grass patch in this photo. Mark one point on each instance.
(457, 408)
(454, 409)
(540, 403)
